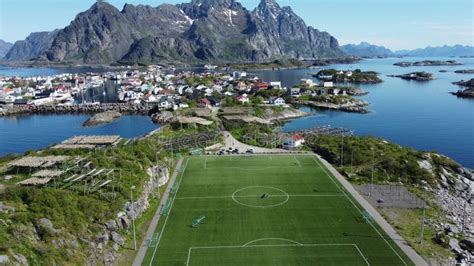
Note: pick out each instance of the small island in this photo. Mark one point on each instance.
(429, 63)
(417, 76)
(102, 118)
(337, 102)
(464, 71)
(467, 83)
(348, 76)
(465, 93)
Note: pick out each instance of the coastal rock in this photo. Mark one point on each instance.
(429, 63)
(467, 83)
(165, 117)
(464, 71)
(350, 105)
(417, 76)
(102, 118)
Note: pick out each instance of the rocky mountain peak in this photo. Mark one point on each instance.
(268, 8)
(199, 30)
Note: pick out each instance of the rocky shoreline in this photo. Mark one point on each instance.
(102, 118)
(123, 108)
(464, 71)
(467, 93)
(429, 63)
(416, 76)
(356, 106)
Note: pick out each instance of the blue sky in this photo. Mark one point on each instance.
(397, 24)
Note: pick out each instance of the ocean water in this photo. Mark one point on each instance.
(22, 133)
(422, 115)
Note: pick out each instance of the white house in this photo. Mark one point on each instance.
(293, 142)
(308, 82)
(243, 99)
(277, 101)
(328, 84)
(276, 84)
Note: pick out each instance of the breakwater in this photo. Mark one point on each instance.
(124, 108)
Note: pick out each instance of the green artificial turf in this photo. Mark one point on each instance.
(266, 210)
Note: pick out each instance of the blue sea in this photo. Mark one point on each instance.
(22, 133)
(422, 115)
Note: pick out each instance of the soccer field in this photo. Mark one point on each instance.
(266, 210)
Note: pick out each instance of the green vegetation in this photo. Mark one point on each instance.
(393, 163)
(407, 222)
(194, 81)
(73, 215)
(266, 210)
(357, 76)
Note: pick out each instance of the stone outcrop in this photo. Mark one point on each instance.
(102, 118)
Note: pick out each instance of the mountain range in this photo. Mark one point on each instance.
(199, 31)
(4, 48)
(367, 50)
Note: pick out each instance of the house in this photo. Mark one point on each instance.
(293, 142)
(243, 99)
(277, 101)
(214, 101)
(165, 103)
(334, 91)
(295, 92)
(276, 84)
(307, 82)
(205, 103)
(328, 84)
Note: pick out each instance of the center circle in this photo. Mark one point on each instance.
(260, 197)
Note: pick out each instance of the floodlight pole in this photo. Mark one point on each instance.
(423, 222)
(352, 160)
(133, 219)
(342, 150)
(372, 178)
(463, 225)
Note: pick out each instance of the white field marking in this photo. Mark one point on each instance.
(281, 245)
(298, 162)
(361, 254)
(254, 206)
(263, 239)
(169, 212)
(358, 209)
(253, 196)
